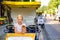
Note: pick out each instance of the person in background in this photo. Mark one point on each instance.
(20, 27)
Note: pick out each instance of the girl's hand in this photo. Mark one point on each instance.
(23, 29)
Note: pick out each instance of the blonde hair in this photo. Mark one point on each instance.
(20, 16)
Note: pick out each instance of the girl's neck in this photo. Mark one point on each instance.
(20, 23)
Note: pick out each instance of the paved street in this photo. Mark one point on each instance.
(2, 34)
(53, 29)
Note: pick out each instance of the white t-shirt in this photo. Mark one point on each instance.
(40, 20)
(18, 27)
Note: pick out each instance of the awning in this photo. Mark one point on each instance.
(21, 4)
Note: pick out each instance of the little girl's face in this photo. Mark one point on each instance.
(20, 19)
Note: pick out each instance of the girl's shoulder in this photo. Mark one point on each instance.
(15, 24)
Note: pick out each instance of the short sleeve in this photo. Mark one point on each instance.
(15, 25)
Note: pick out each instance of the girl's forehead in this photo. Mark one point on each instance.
(20, 16)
